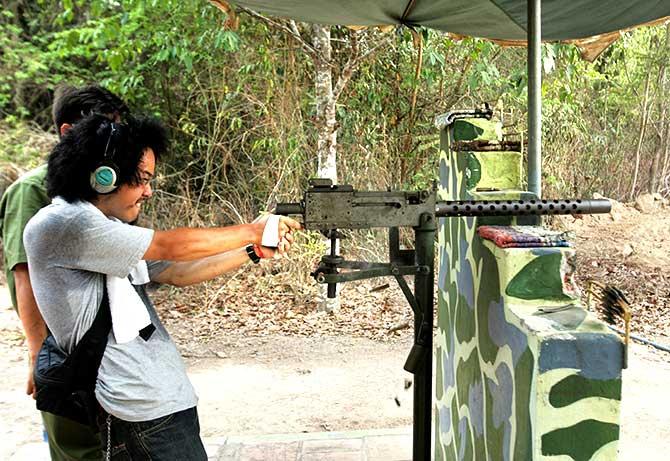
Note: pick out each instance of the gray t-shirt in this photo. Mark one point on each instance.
(69, 248)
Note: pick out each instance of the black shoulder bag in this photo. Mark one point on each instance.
(65, 383)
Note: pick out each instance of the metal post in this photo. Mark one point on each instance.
(535, 97)
(423, 378)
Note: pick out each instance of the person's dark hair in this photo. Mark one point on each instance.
(82, 149)
(71, 104)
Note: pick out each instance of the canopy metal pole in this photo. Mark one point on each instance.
(535, 97)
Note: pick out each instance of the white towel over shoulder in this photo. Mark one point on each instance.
(129, 314)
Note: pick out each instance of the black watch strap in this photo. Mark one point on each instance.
(252, 254)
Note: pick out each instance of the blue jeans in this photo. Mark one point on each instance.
(168, 438)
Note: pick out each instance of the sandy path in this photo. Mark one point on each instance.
(287, 385)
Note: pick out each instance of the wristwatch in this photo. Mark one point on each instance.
(252, 254)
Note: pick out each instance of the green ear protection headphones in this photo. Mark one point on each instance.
(103, 178)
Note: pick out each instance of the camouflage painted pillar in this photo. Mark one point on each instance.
(523, 371)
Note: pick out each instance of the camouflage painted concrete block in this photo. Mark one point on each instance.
(523, 371)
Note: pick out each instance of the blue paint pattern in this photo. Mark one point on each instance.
(462, 433)
(501, 395)
(504, 333)
(445, 420)
(444, 174)
(476, 406)
(595, 355)
(464, 276)
(448, 366)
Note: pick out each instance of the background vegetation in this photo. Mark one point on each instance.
(241, 105)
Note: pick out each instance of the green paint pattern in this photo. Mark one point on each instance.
(574, 388)
(474, 172)
(581, 441)
(539, 279)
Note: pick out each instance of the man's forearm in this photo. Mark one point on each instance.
(192, 272)
(187, 244)
(31, 319)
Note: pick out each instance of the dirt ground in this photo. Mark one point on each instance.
(631, 251)
(264, 361)
(251, 385)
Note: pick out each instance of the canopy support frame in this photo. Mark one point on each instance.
(535, 97)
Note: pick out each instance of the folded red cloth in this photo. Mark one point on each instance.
(524, 236)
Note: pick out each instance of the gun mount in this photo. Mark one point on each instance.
(327, 208)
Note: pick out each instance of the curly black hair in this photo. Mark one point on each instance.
(90, 142)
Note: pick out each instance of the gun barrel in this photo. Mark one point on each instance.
(521, 207)
(286, 209)
(494, 207)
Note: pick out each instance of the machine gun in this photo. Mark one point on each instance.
(327, 208)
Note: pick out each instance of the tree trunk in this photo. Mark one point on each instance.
(656, 162)
(643, 129)
(665, 151)
(326, 146)
(654, 175)
(665, 129)
(325, 105)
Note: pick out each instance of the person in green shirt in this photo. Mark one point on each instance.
(68, 440)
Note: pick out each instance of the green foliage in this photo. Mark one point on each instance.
(24, 145)
(240, 104)
(133, 47)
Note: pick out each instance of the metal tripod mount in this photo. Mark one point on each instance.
(327, 207)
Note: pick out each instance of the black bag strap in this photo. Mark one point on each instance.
(87, 354)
